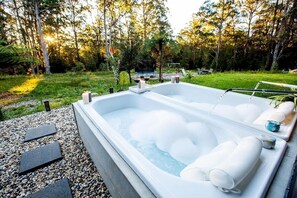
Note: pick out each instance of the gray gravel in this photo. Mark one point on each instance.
(76, 164)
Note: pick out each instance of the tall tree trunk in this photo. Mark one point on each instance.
(280, 39)
(57, 31)
(105, 29)
(43, 45)
(76, 44)
(23, 35)
(2, 23)
(161, 60)
(75, 33)
(248, 35)
(144, 22)
(218, 47)
(33, 39)
(270, 40)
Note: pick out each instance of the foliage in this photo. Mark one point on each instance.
(189, 75)
(278, 99)
(14, 54)
(124, 78)
(58, 64)
(224, 35)
(79, 67)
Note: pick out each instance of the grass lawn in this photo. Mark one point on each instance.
(64, 89)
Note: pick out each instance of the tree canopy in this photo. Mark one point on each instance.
(70, 35)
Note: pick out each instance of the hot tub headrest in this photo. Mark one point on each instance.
(227, 164)
(237, 165)
(199, 169)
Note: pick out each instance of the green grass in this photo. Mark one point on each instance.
(64, 89)
(7, 82)
(243, 80)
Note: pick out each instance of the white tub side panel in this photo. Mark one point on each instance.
(120, 179)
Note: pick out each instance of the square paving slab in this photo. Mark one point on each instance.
(38, 132)
(40, 157)
(59, 189)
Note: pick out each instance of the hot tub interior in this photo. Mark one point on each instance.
(155, 129)
(252, 111)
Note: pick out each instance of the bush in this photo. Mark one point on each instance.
(58, 64)
(91, 65)
(19, 70)
(189, 75)
(124, 78)
(103, 67)
(79, 67)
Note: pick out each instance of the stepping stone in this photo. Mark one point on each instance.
(39, 157)
(59, 189)
(38, 132)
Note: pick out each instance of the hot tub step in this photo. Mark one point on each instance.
(59, 189)
(40, 157)
(38, 132)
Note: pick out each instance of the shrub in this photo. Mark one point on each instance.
(189, 75)
(58, 64)
(124, 78)
(79, 67)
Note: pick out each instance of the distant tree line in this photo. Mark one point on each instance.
(49, 36)
(242, 35)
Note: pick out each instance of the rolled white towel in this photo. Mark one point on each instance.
(285, 107)
(238, 165)
(270, 114)
(199, 169)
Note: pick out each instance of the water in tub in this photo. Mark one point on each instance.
(165, 138)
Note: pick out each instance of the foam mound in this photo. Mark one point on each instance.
(184, 141)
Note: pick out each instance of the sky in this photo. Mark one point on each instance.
(181, 12)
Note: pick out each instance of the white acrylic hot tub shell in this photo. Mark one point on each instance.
(159, 182)
(200, 94)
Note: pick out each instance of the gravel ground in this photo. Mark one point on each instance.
(76, 164)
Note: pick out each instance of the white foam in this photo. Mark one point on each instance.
(184, 150)
(171, 133)
(227, 111)
(202, 136)
(248, 112)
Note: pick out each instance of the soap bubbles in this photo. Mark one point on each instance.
(227, 111)
(184, 141)
(248, 112)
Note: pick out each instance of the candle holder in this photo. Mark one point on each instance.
(272, 126)
(47, 106)
(111, 90)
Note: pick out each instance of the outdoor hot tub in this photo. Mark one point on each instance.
(140, 144)
(237, 107)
